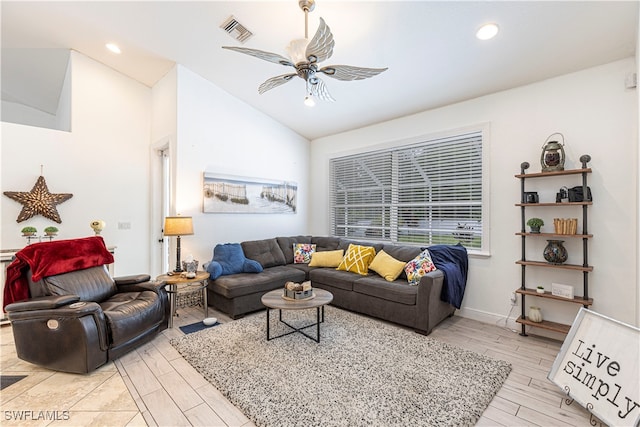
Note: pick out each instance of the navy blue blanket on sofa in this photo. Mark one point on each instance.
(454, 263)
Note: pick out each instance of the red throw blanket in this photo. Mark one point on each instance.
(51, 258)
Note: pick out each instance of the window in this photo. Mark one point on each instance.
(424, 193)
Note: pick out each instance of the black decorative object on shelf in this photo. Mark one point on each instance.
(555, 252)
(531, 197)
(576, 194)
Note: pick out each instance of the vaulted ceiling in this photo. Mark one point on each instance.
(430, 48)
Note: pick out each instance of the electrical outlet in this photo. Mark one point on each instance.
(514, 298)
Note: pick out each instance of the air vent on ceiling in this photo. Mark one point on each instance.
(236, 29)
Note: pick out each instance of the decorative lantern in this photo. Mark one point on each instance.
(552, 157)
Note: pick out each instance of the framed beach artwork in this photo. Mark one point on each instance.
(237, 194)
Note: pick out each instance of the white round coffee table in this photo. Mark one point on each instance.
(274, 300)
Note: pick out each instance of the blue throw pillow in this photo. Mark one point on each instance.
(251, 266)
(215, 269)
(228, 258)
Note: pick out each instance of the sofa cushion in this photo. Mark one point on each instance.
(418, 267)
(242, 284)
(267, 252)
(129, 313)
(357, 259)
(326, 243)
(229, 258)
(327, 258)
(333, 278)
(401, 252)
(387, 266)
(398, 291)
(286, 245)
(344, 244)
(90, 284)
(302, 252)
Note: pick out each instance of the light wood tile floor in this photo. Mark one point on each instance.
(154, 386)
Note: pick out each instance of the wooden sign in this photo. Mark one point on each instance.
(598, 367)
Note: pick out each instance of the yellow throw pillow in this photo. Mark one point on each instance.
(326, 258)
(387, 266)
(357, 259)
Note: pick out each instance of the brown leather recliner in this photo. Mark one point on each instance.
(78, 321)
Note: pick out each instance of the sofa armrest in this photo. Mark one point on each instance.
(156, 286)
(131, 280)
(42, 303)
(68, 326)
(431, 309)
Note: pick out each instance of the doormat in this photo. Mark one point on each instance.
(7, 380)
(195, 327)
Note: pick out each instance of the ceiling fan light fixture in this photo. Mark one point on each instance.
(297, 50)
(309, 101)
(487, 31)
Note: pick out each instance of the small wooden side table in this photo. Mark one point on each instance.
(178, 279)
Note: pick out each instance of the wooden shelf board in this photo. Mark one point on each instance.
(558, 173)
(545, 324)
(586, 203)
(582, 236)
(561, 266)
(547, 294)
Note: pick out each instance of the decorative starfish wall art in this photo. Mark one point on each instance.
(39, 201)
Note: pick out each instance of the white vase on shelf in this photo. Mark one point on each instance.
(535, 315)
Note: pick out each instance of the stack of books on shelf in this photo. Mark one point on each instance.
(565, 225)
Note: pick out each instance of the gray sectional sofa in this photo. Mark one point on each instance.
(418, 307)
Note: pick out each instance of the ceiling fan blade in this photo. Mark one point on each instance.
(267, 56)
(348, 72)
(275, 82)
(319, 90)
(321, 45)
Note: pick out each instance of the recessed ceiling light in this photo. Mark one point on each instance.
(487, 31)
(113, 48)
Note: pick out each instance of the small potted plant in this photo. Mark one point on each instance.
(51, 231)
(540, 289)
(29, 231)
(535, 224)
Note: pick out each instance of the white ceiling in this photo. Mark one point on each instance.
(433, 56)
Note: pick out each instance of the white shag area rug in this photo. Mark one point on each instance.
(363, 372)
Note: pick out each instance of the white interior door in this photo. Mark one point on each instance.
(164, 208)
(160, 202)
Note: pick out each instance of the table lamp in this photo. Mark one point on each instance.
(178, 226)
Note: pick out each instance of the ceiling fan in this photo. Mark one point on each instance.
(305, 56)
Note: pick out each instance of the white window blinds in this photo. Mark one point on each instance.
(424, 193)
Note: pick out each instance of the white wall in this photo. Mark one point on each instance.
(219, 133)
(597, 116)
(103, 162)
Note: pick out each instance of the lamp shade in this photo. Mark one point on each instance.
(178, 226)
